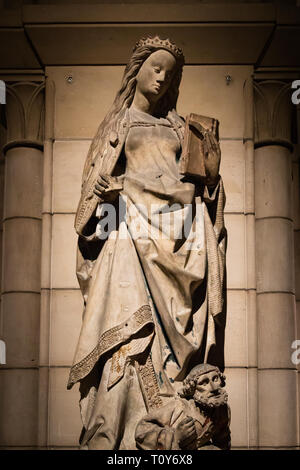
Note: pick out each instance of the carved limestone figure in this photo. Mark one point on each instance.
(198, 420)
(151, 253)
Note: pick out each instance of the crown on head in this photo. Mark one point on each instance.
(159, 43)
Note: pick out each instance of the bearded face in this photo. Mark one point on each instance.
(209, 392)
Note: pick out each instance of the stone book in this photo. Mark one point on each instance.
(192, 161)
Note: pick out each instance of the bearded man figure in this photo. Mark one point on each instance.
(152, 296)
(198, 418)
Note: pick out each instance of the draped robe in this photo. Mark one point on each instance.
(151, 295)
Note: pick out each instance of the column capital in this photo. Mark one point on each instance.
(25, 114)
(273, 113)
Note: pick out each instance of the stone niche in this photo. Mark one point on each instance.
(82, 97)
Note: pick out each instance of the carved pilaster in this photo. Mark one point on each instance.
(272, 113)
(20, 289)
(25, 111)
(274, 264)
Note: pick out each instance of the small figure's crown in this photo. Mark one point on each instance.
(159, 43)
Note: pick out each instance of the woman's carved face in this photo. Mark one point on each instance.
(155, 75)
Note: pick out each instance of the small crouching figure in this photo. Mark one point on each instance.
(198, 418)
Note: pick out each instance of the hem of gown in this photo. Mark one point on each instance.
(108, 341)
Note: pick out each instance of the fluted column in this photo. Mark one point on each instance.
(277, 392)
(20, 309)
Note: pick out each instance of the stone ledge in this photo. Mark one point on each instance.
(155, 12)
(34, 33)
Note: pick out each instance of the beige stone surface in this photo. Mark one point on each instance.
(273, 179)
(46, 249)
(204, 91)
(83, 103)
(2, 177)
(66, 315)
(251, 327)
(64, 416)
(236, 387)
(23, 173)
(249, 172)
(20, 320)
(274, 255)
(64, 248)
(277, 406)
(297, 262)
(232, 169)
(22, 247)
(298, 380)
(1, 253)
(298, 320)
(43, 390)
(276, 330)
(252, 390)
(298, 338)
(295, 197)
(250, 251)
(68, 161)
(236, 330)
(235, 258)
(45, 314)
(18, 423)
(47, 171)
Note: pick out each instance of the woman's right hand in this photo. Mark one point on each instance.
(108, 187)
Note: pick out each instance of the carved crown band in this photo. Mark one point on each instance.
(159, 43)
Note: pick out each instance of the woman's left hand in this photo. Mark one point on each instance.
(212, 154)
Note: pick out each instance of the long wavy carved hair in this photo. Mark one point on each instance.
(125, 95)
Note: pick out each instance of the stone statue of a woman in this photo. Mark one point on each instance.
(152, 291)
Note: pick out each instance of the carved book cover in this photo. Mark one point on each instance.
(192, 162)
